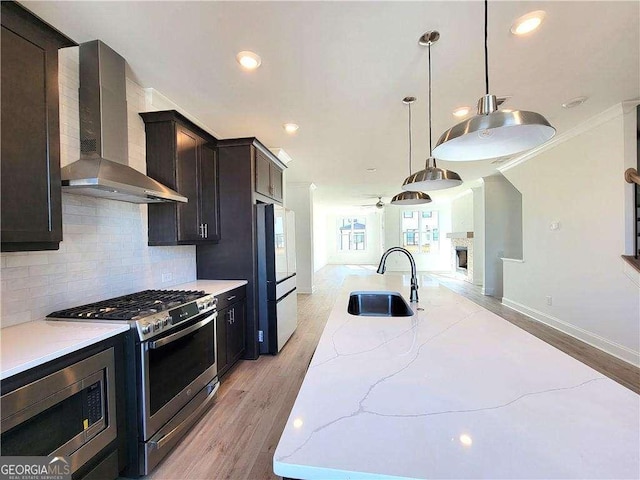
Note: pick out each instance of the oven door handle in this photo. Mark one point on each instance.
(178, 335)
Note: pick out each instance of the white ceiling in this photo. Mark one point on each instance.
(341, 69)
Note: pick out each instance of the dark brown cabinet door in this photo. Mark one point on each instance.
(182, 156)
(209, 205)
(187, 176)
(276, 183)
(263, 174)
(221, 340)
(236, 331)
(31, 215)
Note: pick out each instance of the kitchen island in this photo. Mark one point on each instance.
(453, 391)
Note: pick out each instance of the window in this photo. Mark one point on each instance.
(420, 232)
(352, 234)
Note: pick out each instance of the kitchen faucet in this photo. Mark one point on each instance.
(414, 278)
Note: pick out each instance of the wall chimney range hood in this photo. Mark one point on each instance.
(103, 170)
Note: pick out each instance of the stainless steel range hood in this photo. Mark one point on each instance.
(102, 170)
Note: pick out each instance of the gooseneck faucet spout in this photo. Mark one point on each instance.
(414, 277)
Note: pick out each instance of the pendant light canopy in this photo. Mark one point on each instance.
(410, 197)
(493, 133)
(432, 177)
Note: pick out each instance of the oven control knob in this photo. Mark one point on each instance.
(146, 329)
(201, 306)
(157, 325)
(166, 320)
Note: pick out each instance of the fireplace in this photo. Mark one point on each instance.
(461, 259)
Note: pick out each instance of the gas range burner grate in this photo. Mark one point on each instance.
(132, 306)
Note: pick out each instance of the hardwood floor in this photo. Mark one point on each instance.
(237, 437)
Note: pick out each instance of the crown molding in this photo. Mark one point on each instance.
(281, 154)
(157, 101)
(609, 114)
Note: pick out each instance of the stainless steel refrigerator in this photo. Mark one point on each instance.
(277, 296)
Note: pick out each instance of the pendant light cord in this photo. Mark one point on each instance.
(410, 146)
(430, 146)
(486, 49)
(430, 128)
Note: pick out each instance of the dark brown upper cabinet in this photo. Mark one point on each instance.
(31, 213)
(240, 160)
(183, 157)
(268, 177)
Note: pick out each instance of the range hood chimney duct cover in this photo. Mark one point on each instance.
(102, 170)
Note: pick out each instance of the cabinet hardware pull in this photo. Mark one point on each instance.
(230, 298)
(206, 230)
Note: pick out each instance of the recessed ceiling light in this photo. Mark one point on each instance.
(248, 60)
(371, 170)
(290, 127)
(466, 440)
(528, 23)
(574, 102)
(461, 111)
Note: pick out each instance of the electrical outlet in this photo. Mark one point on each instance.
(166, 277)
(554, 226)
(549, 300)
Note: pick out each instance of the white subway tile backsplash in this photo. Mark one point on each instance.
(9, 319)
(26, 260)
(104, 252)
(14, 295)
(9, 273)
(80, 210)
(48, 269)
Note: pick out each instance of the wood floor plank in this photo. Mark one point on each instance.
(237, 437)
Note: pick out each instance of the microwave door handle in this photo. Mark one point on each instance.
(176, 336)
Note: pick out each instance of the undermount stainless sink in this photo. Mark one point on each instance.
(378, 304)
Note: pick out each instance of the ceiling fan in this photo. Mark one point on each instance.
(379, 204)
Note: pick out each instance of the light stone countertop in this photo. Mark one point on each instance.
(214, 287)
(35, 343)
(452, 392)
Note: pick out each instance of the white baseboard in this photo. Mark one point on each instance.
(620, 351)
(488, 291)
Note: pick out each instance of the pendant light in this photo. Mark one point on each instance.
(410, 197)
(432, 177)
(493, 133)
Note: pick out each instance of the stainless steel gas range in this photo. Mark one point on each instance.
(174, 359)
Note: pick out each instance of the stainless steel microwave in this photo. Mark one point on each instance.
(70, 413)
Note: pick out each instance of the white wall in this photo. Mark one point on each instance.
(478, 235)
(502, 230)
(104, 251)
(373, 251)
(579, 184)
(300, 200)
(320, 241)
(434, 262)
(462, 213)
